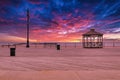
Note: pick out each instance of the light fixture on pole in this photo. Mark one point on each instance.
(27, 32)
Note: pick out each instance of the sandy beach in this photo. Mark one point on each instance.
(65, 64)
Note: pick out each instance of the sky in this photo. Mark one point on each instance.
(58, 20)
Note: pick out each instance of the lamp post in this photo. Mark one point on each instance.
(28, 20)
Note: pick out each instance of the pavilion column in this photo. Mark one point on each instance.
(91, 38)
(98, 42)
(93, 44)
(99, 39)
(87, 41)
(83, 41)
(102, 41)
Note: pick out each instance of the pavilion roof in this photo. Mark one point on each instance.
(92, 32)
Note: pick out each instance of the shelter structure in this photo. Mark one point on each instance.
(92, 39)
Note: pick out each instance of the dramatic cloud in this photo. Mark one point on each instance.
(59, 20)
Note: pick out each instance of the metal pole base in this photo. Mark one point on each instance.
(27, 46)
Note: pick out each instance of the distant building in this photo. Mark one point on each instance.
(92, 39)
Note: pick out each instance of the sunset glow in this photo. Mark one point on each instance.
(58, 20)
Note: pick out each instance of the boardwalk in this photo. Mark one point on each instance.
(66, 64)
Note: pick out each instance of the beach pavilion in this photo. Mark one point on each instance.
(92, 39)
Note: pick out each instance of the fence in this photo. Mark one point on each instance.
(79, 44)
(66, 44)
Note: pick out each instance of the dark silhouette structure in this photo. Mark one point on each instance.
(92, 39)
(12, 51)
(28, 20)
(58, 47)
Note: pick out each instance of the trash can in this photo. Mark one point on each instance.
(58, 47)
(12, 51)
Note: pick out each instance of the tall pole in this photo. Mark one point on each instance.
(28, 20)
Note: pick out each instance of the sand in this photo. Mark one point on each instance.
(66, 64)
